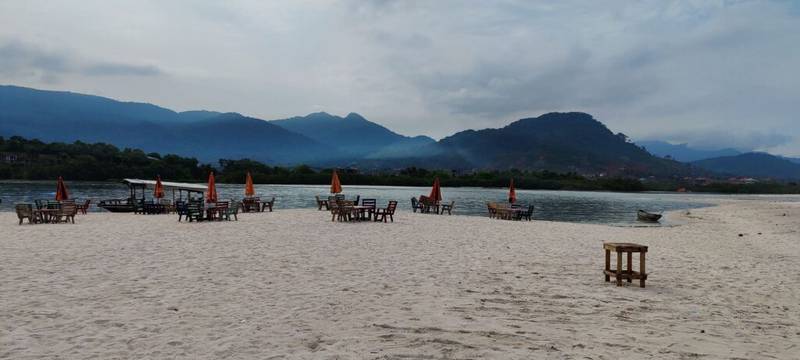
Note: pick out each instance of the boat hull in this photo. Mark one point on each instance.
(647, 217)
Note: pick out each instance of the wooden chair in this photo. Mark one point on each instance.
(251, 204)
(84, 207)
(194, 211)
(168, 206)
(381, 214)
(322, 203)
(25, 211)
(492, 207)
(416, 205)
(342, 211)
(526, 214)
(371, 205)
(182, 209)
(448, 208)
(40, 204)
(221, 208)
(231, 211)
(66, 213)
(267, 204)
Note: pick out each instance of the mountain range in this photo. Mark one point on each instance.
(753, 164)
(683, 152)
(563, 142)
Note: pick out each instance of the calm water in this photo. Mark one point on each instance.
(591, 207)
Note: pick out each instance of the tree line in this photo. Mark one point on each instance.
(24, 159)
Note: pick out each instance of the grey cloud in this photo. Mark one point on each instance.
(110, 69)
(20, 59)
(644, 68)
(729, 138)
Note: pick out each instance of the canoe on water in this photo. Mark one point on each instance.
(648, 217)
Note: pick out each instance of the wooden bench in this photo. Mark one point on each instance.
(619, 273)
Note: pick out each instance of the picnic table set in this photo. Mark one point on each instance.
(351, 210)
(49, 212)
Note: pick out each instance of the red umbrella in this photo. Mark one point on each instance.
(61, 190)
(211, 194)
(512, 194)
(158, 191)
(336, 185)
(436, 191)
(248, 186)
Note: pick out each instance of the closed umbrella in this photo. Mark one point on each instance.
(336, 185)
(512, 193)
(61, 190)
(436, 191)
(211, 193)
(158, 191)
(249, 191)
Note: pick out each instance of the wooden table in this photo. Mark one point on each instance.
(46, 215)
(619, 273)
(363, 211)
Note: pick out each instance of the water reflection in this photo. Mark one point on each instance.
(591, 207)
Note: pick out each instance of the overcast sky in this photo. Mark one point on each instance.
(711, 73)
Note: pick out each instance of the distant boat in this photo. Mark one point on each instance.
(117, 205)
(647, 217)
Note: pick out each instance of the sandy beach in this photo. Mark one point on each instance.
(292, 284)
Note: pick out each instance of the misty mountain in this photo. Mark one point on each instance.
(757, 165)
(206, 135)
(558, 142)
(683, 152)
(354, 135)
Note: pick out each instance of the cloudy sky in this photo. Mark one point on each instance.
(710, 73)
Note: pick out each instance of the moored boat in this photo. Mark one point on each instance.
(647, 216)
(117, 205)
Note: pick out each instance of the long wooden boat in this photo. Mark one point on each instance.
(647, 217)
(117, 205)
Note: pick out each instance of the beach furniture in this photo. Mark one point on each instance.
(267, 204)
(381, 214)
(182, 209)
(448, 208)
(492, 208)
(231, 211)
(526, 214)
(66, 212)
(416, 205)
(26, 211)
(628, 274)
(84, 207)
(217, 211)
(428, 204)
(194, 211)
(251, 204)
(342, 211)
(40, 204)
(367, 208)
(322, 203)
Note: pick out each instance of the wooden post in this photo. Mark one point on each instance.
(619, 267)
(608, 264)
(630, 266)
(641, 268)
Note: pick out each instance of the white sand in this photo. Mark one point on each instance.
(291, 284)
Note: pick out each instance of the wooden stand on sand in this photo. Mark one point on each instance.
(628, 274)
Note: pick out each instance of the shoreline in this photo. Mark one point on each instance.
(293, 284)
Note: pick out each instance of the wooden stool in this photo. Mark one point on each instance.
(628, 274)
